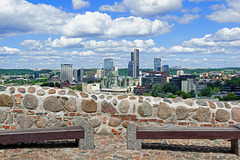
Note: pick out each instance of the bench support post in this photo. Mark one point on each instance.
(88, 141)
(132, 142)
(235, 143)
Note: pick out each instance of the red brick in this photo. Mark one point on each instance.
(182, 123)
(207, 125)
(192, 109)
(72, 114)
(117, 133)
(216, 125)
(133, 119)
(104, 120)
(212, 114)
(113, 130)
(18, 96)
(18, 111)
(79, 114)
(69, 123)
(133, 116)
(99, 114)
(213, 120)
(161, 121)
(223, 125)
(115, 115)
(13, 127)
(152, 120)
(231, 122)
(231, 125)
(143, 120)
(35, 116)
(125, 119)
(59, 119)
(6, 127)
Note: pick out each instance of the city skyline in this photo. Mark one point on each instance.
(188, 33)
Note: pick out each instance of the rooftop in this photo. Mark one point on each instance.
(114, 147)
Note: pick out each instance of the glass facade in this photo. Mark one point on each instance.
(157, 64)
(135, 57)
(66, 72)
(132, 69)
(108, 66)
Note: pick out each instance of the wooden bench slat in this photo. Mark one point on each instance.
(188, 133)
(37, 135)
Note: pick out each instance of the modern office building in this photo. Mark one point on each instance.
(107, 66)
(100, 73)
(166, 69)
(78, 75)
(135, 57)
(185, 83)
(132, 69)
(36, 74)
(157, 62)
(66, 72)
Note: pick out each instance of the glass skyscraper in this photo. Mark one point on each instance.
(135, 57)
(157, 64)
(132, 69)
(108, 66)
(78, 75)
(66, 72)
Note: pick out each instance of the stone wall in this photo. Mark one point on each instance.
(39, 107)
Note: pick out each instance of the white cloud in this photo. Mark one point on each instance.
(225, 15)
(78, 4)
(37, 19)
(187, 18)
(102, 26)
(218, 7)
(194, 10)
(197, 1)
(145, 7)
(117, 7)
(8, 51)
(32, 44)
(65, 42)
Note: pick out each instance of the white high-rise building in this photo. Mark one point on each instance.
(66, 72)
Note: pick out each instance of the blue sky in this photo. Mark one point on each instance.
(187, 33)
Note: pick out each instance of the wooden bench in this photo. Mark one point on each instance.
(135, 134)
(83, 135)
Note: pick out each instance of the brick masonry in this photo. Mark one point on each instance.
(38, 107)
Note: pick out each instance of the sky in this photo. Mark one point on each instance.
(188, 33)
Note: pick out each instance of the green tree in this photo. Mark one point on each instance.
(207, 92)
(79, 87)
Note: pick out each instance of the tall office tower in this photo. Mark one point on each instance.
(132, 69)
(107, 66)
(157, 64)
(135, 57)
(36, 74)
(66, 72)
(78, 75)
(166, 69)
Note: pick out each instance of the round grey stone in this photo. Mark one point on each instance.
(3, 116)
(6, 101)
(108, 107)
(220, 105)
(189, 102)
(222, 115)
(101, 96)
(167, 100)
(202, 103)
(228, 106)
(236, 114)
(95, 122)
(177, 100)
(104, 131)
(114, 122)
(203, 114)
(42, 122)
(181, 112)
(41, 92)
(145, 109)
(52, 104)
(30, 102)
(124, 106)
(89, 106)
(11, 90)
(114, 102)
(164, 111)
(71, 105)
(94, 97)
(72, 93)
(3, 88)
(24, 121)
